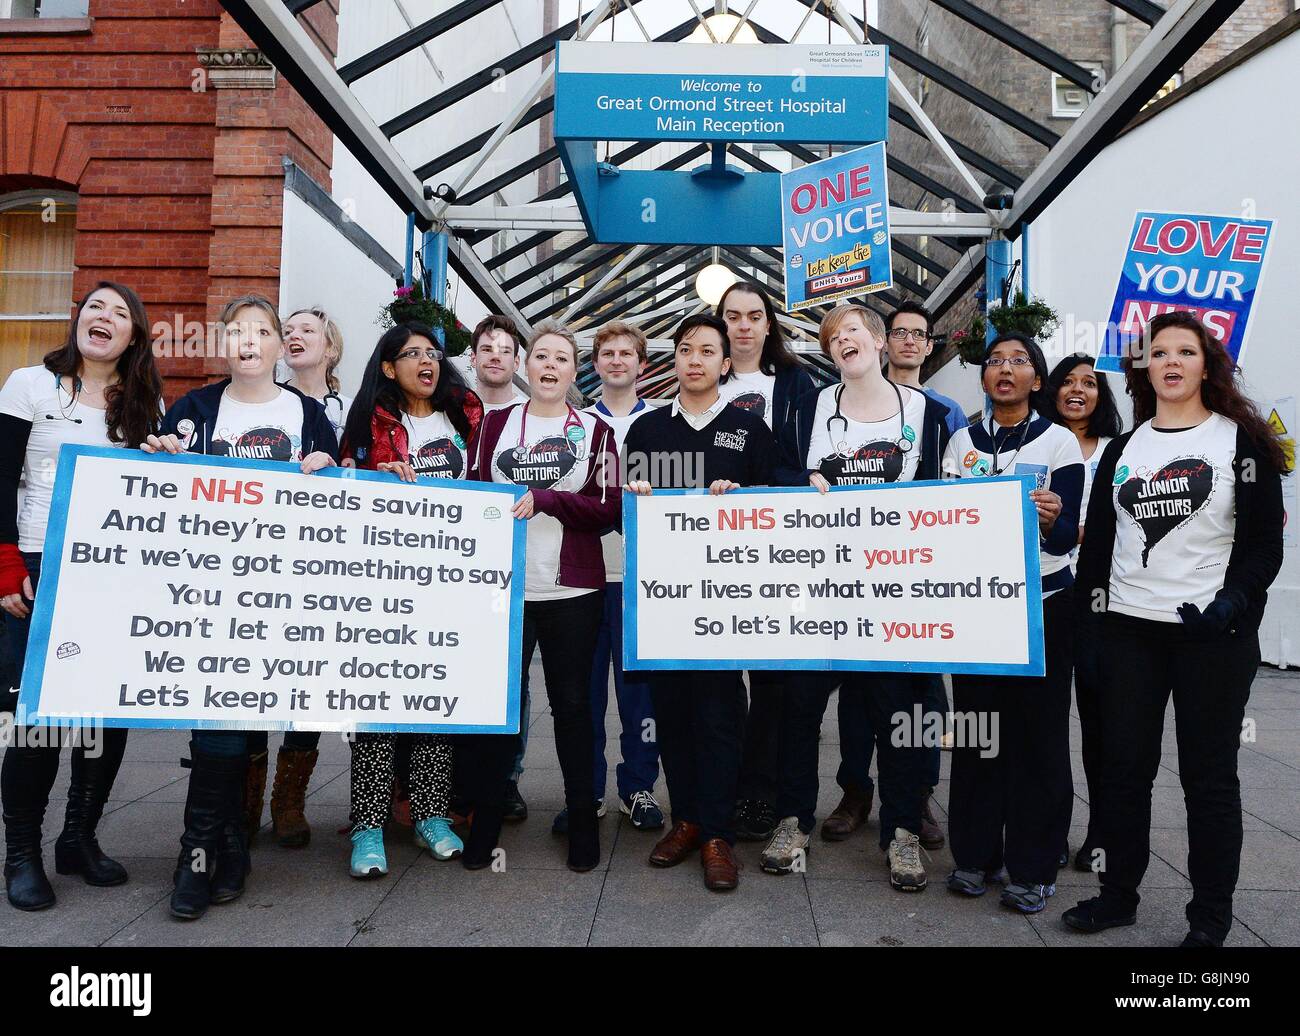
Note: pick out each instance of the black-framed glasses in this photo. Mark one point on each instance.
(415, 354)
(917, 334)
(1015, 361)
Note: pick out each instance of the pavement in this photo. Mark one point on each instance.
(306, 897)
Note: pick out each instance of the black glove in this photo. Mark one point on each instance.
(1213, 622)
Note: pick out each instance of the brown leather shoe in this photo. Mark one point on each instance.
(682, 839)
(931, 832)
(721, 871)
(848, 816)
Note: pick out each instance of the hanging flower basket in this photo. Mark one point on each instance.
(410, 306)
(1033, 318)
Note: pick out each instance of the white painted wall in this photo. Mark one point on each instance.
(321, 267)
(1229, 148)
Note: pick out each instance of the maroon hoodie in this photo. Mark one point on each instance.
(585, 514)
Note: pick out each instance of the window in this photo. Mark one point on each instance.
(38, 232)
(1069, 99)
(44, 8)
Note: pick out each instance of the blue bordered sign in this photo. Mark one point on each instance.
(679, 624)
(84, 663)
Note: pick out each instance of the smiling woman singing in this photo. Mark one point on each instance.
(1184, 540)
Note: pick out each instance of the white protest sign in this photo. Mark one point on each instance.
(195, 591)
(918, 576)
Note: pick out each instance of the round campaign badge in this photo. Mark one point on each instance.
(1121, 474)
(908, 433)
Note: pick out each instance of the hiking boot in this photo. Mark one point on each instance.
(787, 848)
(906, 872)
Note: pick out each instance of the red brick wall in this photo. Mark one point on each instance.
(180, 189)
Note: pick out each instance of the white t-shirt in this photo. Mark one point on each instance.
(548, 455)
(752, 392)
(436, 449)
(1053, 446)
(33, 394)
(1175, 518)
(1089, 473)
(516, 398)
(864, 453)
(259, 431)
(611, 544)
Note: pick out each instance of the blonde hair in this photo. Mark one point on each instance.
(249, 301)
(333, 342)
(620, 329)
(832, 321)
(553, 327)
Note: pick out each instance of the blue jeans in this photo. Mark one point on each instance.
(640, 766)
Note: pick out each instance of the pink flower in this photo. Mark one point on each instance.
(404, 292)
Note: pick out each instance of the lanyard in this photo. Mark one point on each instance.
(1024, 430)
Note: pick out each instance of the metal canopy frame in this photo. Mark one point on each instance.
(644, 281)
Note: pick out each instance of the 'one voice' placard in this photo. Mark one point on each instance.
(194, 591)
(921, 576)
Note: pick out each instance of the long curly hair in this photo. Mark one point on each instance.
(378, 390)
(1220, 391)
(133, 401)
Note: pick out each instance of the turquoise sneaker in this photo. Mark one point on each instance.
(436, 835)
(368, 859)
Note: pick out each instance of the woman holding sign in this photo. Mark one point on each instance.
(568, 461)
(414, 418)
(100, 388)
(767, 380)
(1085, 404)
(1182, 546)
(250, 416)
(863, 431)
(1013, 806)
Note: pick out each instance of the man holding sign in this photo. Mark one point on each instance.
(700, 441)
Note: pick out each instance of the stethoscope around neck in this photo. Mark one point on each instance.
(842, 449)
(574, 434)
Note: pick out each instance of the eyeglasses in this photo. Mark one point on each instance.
(415, 354)
(1015, 361)
(917, 334)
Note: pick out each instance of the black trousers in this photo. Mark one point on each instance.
(700, 725)
(1143, 664)
(888, 702)
(759, 764)
(565, 631)
(1011, 802)
(1087, 691)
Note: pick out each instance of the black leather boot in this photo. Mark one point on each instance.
(25, 782)
(584, 837)
(77, 850)
(214, 803)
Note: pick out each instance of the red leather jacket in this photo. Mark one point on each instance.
(388, 439)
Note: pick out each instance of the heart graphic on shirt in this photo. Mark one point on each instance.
(754, 402)
(438, 458)
(266, 443)
(1174, 495)
(869, 464)
(540, 466)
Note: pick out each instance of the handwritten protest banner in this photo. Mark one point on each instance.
(194, 591)
(920, 576)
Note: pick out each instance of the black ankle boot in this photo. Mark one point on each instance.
(28, 775)
(233, 865)
(213, 804)
(584, 838)
(77, 850)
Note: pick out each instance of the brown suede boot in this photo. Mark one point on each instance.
(254, 795)
(848, 816)
(293, 767)
(931, 833)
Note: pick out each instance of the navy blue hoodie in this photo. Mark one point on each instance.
(200, 406)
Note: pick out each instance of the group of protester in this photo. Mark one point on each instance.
(1184, 536)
